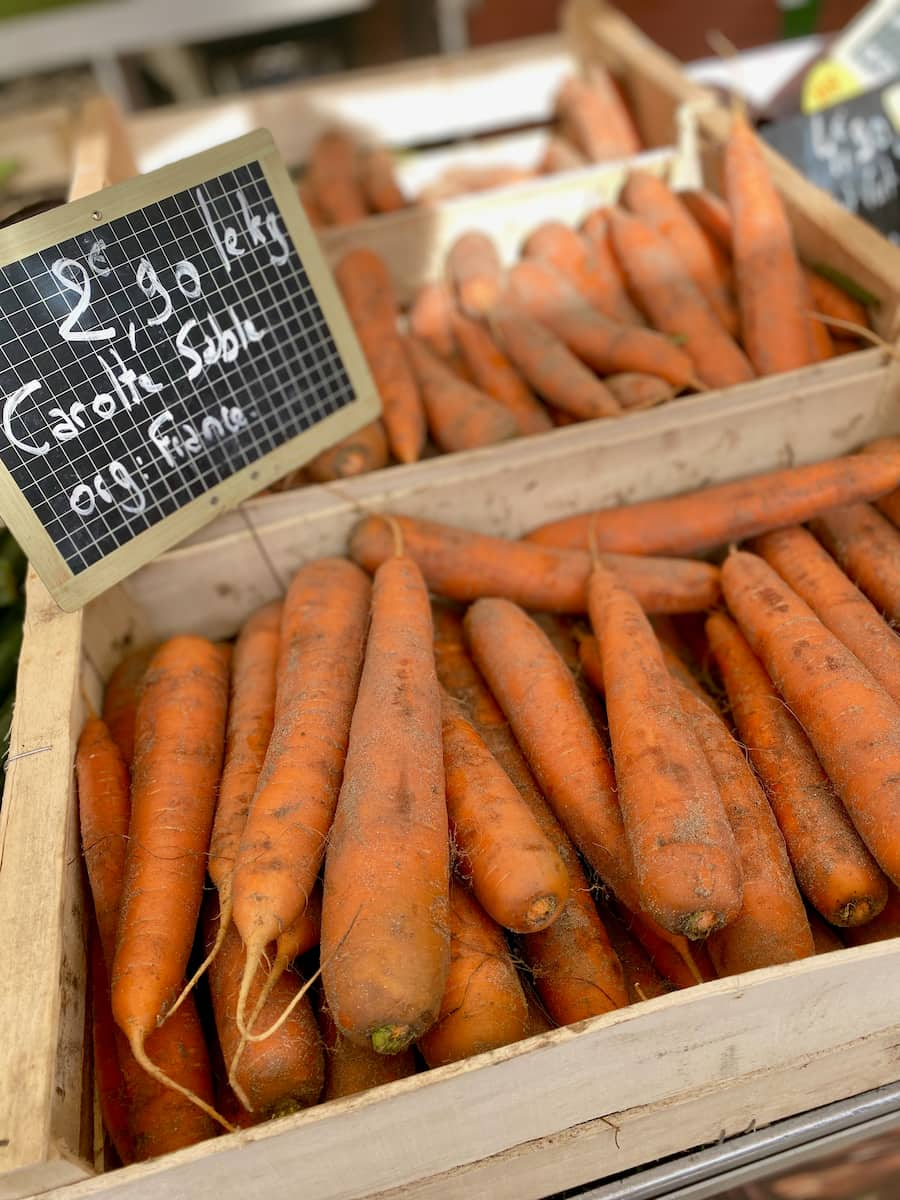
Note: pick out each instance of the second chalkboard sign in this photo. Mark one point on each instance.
(167, 347)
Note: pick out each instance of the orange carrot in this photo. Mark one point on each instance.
(882, 928)
(475, 273)
(605, 345)
(333, 180)
(465, 566)
(617, 304)
(771, 926)
(379, 181)
(351, 1069)
(179, 741)
(495, 375)
(365, 286)
(728, 512)
(635, 391)
(840, 606)
(550, 367)
(560, 154)
(284, 1073)
(683, 966)
(867, 546)
(596, 117)
(712, 213)
(821, 681)
(825, 938)
(768, 278)
(322, 638)
(537, 1021)
(431, 319)
(684, 854)
(650, 199)
(888, 505)
(357, 454)
(112, 1089)
(667, 293)
(385, 938)
(821, 345)
(120, 699)
(643, 979)
(830, 300)
(575, 969)
(314, 214)
(575, 258)
(514, 870)
(484, 1005)
(460, 416)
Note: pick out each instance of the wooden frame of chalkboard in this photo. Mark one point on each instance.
(118, 483)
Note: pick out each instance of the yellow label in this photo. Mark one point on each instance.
(890, 98)
(828, 83)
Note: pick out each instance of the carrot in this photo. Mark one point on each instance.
(322, 638)
(650, 199)
(351, 1069)
(882, 928)
(515, 872)
(495, 375)
(560, 155)
(821, 345)
(537, 1020)
(728, 512)
(460, 416)
(379, 181)
(686, 863)
(591, 663)
(822, 681)
(643, 980)
(475, 273)
(465, 566)
(550, 367)
(484, 1005)
(430, 319)
(365, 286)
(832, 301)
(594, 114)
(179, 740)
(605, 345)
(771, 926)
(314, 214)
(120, 699)
(767, 274)
(333, 180)
(357, 454)
(617, 304)
(385, 939)
(825, 938)
(575, 969)
(635, 391)
(682, 967)
(575, 258)
(666, 292)
(112, 1089)
(284, 1073)
(712, 213)
(840, 606)
(888, 505)
(562, 637)
(867, 546)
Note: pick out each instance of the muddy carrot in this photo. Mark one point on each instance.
(712, 213)
(283, 843)
(483, 1006)
(643, 979)
(832, 301)
(594, 114)
(538, 1020)
(825, 937)
(332, 176)
(385, 938)
(121, 698)
(635, 391)
(551, 368)
(821, 345)
(363, 451)
(284, 1073)
(821, 681)
(378, 179)
(351, 1069)
(814, 575)
(666, 292)
(685, 860)
(768, 279)
(513, 869)
(888, 505)
(650, 199)
(574, 257)
(365, 286)
(617, 304)
(495, 375)
(475, 273)
(728, 512)
(605, 345)
(882, 928)
(867, 546)
(112, 1089)
(462, 565)
(684, 966)
(430, 319)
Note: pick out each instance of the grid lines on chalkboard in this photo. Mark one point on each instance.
(137, 426)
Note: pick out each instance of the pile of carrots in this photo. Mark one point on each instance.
(485, 787)
(346, 180)
(662, 294)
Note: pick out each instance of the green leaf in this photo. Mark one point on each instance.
(847, 285)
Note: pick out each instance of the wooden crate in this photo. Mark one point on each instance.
(573, 1105)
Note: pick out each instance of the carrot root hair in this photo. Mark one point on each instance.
(397, 532)
(861, 331)
(136, 1042)
(224, 922)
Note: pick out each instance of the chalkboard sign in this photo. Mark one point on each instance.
(851, 150)
(168, 346)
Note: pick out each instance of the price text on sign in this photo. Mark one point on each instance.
(174, 353)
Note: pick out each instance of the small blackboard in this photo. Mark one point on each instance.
(851, 150)
(168, 347)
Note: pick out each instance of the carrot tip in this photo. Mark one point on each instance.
(700, 923)
(540, 913)
(391, 1039)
